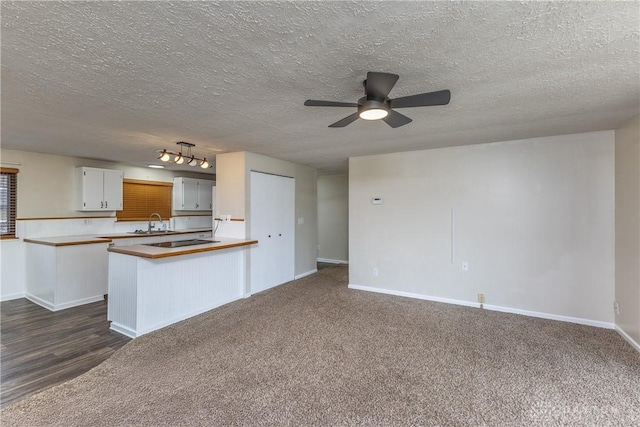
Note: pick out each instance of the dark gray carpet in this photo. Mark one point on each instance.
(313, 352)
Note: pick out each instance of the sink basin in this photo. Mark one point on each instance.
(181, 243)
(151, 232)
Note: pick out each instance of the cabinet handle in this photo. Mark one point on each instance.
(280, 234)
(197, 205)
(106, 204)
(101, 205)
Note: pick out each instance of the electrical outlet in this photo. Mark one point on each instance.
(375, 272)
(225, 218)
(616, 308)
(481, 298)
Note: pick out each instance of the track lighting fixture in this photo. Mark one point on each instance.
(179, 158)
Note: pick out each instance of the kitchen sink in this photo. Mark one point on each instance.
(151, 232)
(180, 243)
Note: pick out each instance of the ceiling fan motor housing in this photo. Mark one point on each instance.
(371, 104)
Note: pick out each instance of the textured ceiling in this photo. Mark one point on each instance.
(118, 80)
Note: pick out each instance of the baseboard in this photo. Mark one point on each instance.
(9, 297)
(76, 303)
(332, 261)
(57, 307)
(42, 303)
(628, 338)
(538, 314)
(308, 273)
(123, 330)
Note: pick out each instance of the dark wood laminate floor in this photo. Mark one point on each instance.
(40, 348)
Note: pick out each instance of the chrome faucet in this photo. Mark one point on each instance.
(151, 216)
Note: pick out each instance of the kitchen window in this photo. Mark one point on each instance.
(8, 202)
(142, 198)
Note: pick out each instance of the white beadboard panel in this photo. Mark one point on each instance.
(122, 302)
(172, 289)
(12, 269)
(81, 274)
(59, 277)
(147, 294)
(41, 274)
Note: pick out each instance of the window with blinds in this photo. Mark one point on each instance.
(142, 198)
(8, 202)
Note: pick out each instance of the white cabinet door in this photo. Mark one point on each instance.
(113, 190)
(273, 225)
(99, 189)
(205, 196)
(91, 182)
(190, 194)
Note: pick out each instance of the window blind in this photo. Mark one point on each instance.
(142, 198)
(8, 201)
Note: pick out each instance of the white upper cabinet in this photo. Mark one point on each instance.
(99, 189)
(190, 194)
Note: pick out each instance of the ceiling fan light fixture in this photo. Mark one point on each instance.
(373, 110)
(374, 114)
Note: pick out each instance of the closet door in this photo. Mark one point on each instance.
(272, 209)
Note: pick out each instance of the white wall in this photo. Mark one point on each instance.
(333, 218)
(231, 183)
(627, 292)
(533, 218)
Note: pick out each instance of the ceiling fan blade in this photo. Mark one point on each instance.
(441, 97)
(395, 119)
(380, 84)
(316, 103)
(346, 121)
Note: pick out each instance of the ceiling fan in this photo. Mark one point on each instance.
(377, 105)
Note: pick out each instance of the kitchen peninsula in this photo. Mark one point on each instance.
(151, 287)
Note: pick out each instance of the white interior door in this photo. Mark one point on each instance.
(273, 225)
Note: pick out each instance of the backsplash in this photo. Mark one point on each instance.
(83, 226)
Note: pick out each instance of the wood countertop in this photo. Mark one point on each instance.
(154, 252)
(103, 238)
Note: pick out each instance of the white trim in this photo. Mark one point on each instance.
(39, 301)
(9, 297)
(333, 261)
(308, 273)
(58, 307)
(78, 302)
(628, 338)
(578, 320)
(247, 295)
(123, 330)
